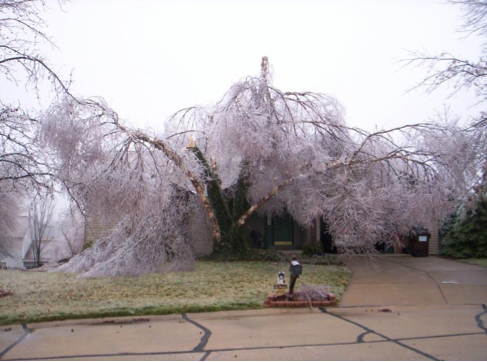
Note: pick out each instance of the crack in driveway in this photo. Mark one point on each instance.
(204, 339)
(478, 319)
(360, 337)
(21, 338)
(368, 330)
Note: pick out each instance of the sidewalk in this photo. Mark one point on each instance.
(404, 333)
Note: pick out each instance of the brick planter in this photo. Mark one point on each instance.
(276, 301)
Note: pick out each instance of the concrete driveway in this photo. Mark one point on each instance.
(397, 323)
(405, 280)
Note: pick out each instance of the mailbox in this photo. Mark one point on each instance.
(420, 240)
(296, 268)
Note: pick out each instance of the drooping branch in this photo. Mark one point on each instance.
(264, 200)
(178, 161)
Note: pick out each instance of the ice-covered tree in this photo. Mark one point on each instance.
(258, 150)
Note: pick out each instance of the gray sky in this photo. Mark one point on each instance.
(148, 59)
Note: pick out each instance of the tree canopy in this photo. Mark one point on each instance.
(258, 150)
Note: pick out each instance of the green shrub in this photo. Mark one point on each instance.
(250, 255)
(468, 239)
(312, 249)
(325, 259)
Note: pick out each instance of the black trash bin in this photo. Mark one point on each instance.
(420, 241)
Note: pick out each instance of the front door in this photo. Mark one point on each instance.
(283, 231)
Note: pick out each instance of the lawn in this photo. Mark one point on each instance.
(481, 262)
(212, 286)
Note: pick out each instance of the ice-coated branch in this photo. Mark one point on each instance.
(178, 161)
(263, 201)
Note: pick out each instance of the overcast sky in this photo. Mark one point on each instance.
(150, 58)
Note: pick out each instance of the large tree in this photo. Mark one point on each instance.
(260, 150)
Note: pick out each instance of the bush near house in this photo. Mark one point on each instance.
(317, 257)
(468, 238)
(313, 254)
(312, 249)
(250, 255)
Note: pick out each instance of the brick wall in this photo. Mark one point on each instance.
(200, 232)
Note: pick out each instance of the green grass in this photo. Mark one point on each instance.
(481, 262)
(212, 286)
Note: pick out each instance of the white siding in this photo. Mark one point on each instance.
(434, 244)
(95, 230)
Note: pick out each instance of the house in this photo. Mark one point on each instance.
(50, 250)
(21, 247)
(15, 243)
(281, 233)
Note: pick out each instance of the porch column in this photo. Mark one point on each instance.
(268, 232)
(318, 230)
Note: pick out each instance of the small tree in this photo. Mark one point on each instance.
(40, 216)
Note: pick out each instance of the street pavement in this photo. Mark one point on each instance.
(396, 308)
